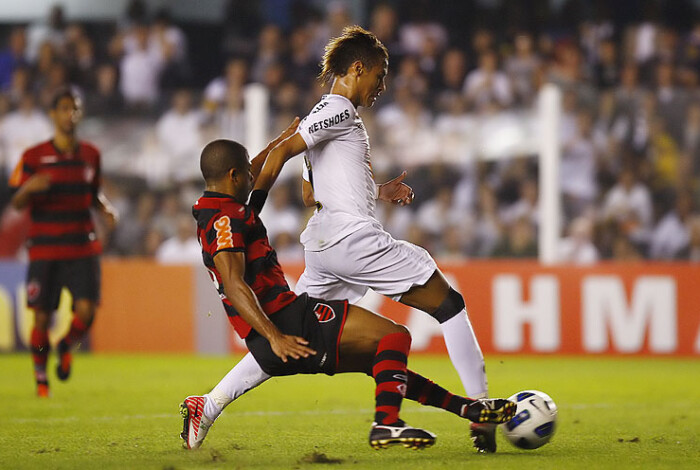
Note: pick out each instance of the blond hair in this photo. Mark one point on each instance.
(355, 43)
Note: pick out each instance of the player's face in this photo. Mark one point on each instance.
(66, 115)
(372, 83)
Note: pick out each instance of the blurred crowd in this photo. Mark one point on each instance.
(458, 115)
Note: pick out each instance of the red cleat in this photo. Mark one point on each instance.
(195, 425)
(42, 390)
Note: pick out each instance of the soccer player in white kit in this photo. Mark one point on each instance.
(347, 251)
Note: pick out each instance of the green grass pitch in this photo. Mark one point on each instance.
(122, 412)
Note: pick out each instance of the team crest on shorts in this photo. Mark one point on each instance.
(33, 290)
(324, 312)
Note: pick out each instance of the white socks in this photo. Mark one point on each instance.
(245, 376)
(465, 354)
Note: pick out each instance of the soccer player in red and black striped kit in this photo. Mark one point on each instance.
(289, 334)
(59, 181)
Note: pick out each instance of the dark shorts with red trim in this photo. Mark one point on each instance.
(46, 278)
(320, 322)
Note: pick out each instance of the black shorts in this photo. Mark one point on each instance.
(320, 322)
(46, 278)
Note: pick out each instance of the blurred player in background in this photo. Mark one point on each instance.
(347, 251)
(59, 181)
(291, 334)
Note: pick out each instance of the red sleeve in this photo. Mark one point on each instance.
(24, 169)
(228, 234)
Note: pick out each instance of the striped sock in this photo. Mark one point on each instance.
(389, 372)
(39, 345)
(428, 393)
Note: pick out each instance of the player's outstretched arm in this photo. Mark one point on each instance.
(231, 266)
(285, 150)
(107, 210)
(257, 163)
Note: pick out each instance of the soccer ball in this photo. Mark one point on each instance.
(534, 422)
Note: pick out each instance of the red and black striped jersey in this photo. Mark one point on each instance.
(226, 225)
(61, 225)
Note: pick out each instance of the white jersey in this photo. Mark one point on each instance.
(341, 172)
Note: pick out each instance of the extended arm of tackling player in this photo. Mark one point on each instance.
(231, 265)
(257, 163)
(285, 150)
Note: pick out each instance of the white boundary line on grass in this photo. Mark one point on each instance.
(234, 414)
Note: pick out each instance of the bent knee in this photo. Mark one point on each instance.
(400, 329)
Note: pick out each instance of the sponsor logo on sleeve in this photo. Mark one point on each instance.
(224, 237)
(329, 122)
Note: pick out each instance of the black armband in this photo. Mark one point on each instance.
(257, 199)
(450, 306)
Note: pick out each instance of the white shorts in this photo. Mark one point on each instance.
(367, 258)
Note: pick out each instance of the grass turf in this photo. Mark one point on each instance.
(121, 412)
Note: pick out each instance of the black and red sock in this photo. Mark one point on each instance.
(389, 372)
(426, 392)
(77, 330)
(39, 344)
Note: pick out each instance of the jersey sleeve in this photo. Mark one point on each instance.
(328, 120)
(22, 171)
(227, 234)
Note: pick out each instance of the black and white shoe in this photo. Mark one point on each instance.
(483, 436)
(491, 410)
(382, 436)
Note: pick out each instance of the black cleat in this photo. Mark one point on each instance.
(64, 361)
(382, 436)
(491, 410)
(484, 437)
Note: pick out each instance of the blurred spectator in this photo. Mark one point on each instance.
(384, 24)
(183, 247)
(229, 122)
(169, 42)
(449, 81)
(521, 68)
(179, 137)
(13, 56)
(279, 215)
(628, 204)
(671, 101)
(21, 129)
(578, 247)
(692, 253)
(105, 99)
(165, 220)
(130, 234)
(51, 32)
(578, 168)
(140, 69)
(606, 71)
(487, 225)
(518, 242)
(487, 88)
(269, 53)
(217, 91)
(671, 237)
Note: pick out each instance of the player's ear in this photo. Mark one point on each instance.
(358, 67)
(232, 174)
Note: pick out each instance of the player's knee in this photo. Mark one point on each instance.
(450, 306)
(400, 329)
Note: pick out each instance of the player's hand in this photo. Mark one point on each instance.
(289, 130)
(111, 217)
(396, 191)
(285, 346)
(38, 183)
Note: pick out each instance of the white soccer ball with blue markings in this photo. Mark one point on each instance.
(534, 422)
